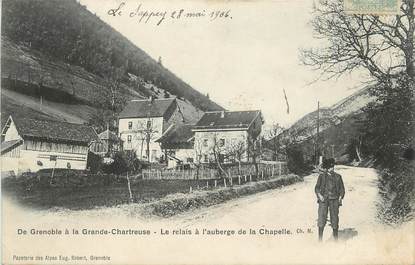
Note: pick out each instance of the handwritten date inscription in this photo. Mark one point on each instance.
(144, 15)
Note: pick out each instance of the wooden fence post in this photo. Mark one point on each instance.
(250, 178)
(207, 184)
(239, 179)
(279, 169)
(190, 190)
(231, 181)
(224, 182)
(245, 178)
(216, 183)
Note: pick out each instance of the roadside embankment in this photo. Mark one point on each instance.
(180, 202)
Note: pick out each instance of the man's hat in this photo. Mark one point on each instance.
(328, 163)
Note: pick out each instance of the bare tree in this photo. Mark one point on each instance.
(255, 151)
(198, 149)
(237, 150)
(274, 141)
(219, 151)
(383, 45)
(145, 133)
(113, 84)
(109, 101)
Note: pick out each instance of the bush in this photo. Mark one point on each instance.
(295, 160)
(397, 189)
(123, 162)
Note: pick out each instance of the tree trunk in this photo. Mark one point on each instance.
(358, 154)
(221, 169)
(148, 149)
(409, 54)
(129, 189)
(141, 149)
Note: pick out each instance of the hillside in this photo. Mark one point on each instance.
(60, 52)
(338, 125)
(333, 115)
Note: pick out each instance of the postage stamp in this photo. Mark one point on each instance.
(377, 7)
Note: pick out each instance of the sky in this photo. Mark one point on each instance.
(243, 60)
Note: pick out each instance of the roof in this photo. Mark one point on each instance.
(108, 135)
(147, 108)
(177, 137)
(6, 146)
(227, 120)
(55, 131)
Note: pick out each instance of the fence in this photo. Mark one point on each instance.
(264, 170)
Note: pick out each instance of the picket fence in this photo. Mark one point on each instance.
(269, 169)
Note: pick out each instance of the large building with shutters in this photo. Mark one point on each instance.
(142, 122)
(227, 134)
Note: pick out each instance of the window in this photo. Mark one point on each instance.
(129, 138)
(130, 125)
(205, 142)
(221, 142)
(205, 158)
(148, 124)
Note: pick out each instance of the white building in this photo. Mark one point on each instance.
(142, 122)
(226, 134)
(30, 145)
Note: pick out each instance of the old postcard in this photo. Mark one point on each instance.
(207, 132)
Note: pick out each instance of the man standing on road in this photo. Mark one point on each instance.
(330, 193)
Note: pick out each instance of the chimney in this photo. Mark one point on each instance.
(222, 114)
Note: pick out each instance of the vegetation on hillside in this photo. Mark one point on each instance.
(66, 31)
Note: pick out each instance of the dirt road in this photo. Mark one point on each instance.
(272, 227)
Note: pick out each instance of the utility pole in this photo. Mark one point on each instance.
(318, 134)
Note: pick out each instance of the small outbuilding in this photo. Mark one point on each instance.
(108, 143)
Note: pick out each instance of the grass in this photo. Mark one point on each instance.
(98, 191)
(98, 194)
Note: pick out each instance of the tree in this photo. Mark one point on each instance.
(198, 149)
(389, 125)
(237, 151)
(100, 118)
(219, 151)
(110, 101)
(255, 151)
(295, 159)
(144, 133)
(148, 132)
(383, 45)
(274, 141)
(354, 148)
